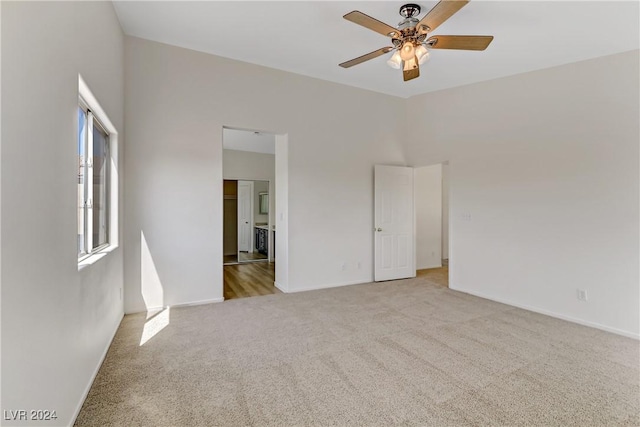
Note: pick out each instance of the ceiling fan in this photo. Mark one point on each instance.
(410, 40)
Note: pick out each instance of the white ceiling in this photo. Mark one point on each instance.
(312, 38)
(244, 140)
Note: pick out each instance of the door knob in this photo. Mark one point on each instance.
(378, 229)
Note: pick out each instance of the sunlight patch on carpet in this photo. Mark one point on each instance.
(154, 325)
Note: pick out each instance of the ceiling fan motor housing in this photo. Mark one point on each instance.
(407, 27)
(410, 10)
(408, 32)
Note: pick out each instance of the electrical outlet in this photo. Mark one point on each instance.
(120, 294)
(344, 266)
(582, 295)
(466, 216)
(359, 265)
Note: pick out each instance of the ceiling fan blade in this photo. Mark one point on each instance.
(371, 23)
(441, 12)
(366, 57)
(459, 42)
(411, 69)
(411, 74)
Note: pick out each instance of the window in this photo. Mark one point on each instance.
(97, 184)
(93, 182)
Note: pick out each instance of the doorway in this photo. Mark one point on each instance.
(249, 211)
(432, 223)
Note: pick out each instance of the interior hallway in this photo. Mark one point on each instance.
(249, 279)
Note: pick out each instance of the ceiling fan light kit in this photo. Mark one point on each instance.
(395, 61)
(408, 51)
(422, 53)
(409, 39)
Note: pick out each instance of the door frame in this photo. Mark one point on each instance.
(278, 210)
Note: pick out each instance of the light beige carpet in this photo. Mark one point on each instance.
(407, 352)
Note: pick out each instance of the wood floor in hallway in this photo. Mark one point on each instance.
(439, 276)
(249, 280)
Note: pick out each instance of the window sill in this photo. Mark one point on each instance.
(95, 257)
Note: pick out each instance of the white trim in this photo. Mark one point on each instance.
(429, 266)
(244, 179)
(94, 257)
(88, 178)
(97, 112)
(333, 285)
(95, 372)
(278, 212)
(201, 302)
(94, 105)
(551, 313)
(182, 304)
(279, 286)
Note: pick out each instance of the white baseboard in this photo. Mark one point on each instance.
(550, 313)
(183, 304)
(95, 372)
(279, 286)
(201, 302)
(438, 265)
(334, 285)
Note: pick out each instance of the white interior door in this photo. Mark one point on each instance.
(394, 223)
(245, 216)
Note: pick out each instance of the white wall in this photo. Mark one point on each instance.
(177, 102)
(428, 204)
(249, 141)
(56, 321)
(445, 211)
(281, 221)
(544, 187)
(247, 165)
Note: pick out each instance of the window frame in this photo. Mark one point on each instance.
(95, 116)
(91, 122)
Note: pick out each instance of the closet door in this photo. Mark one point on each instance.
(245, 215)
